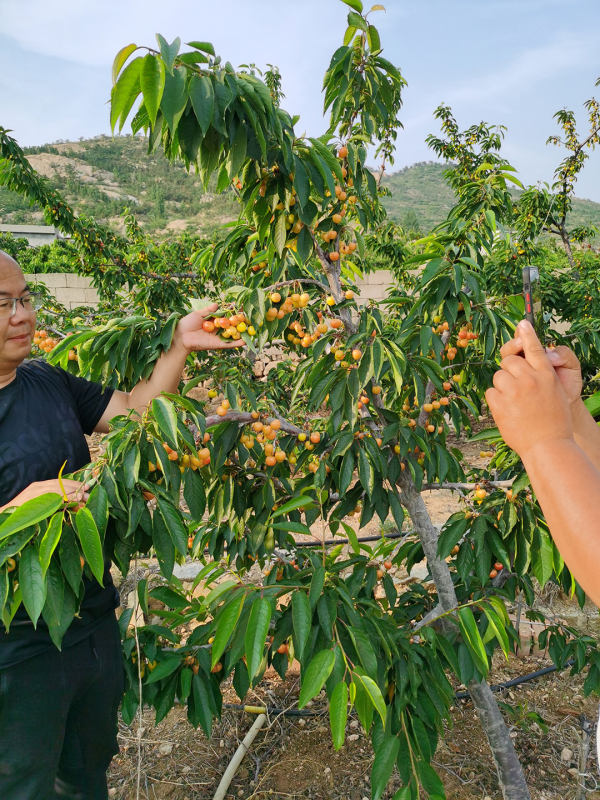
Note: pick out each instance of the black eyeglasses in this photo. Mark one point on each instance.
(8, 305)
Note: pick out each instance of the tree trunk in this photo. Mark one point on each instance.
(568, 251)
(508, 766)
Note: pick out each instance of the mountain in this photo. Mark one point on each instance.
(101, 176)
(420, 198)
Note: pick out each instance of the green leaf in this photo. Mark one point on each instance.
(315, 675)
(316, 586)
(55, 589)
(374, 693)
(166, 419)
(168, 51)
(174, 97)
(356, 21)
(152, 81)
(169, 597)
(90, 543)
(303, 501)
(185, 683)
(97, 505)
(294, 527)
(32, 583)
(301, 181)
(30, 513)
(396, 508)
(472, 639)
(164, 668)
(237, 150)
(338, 714)
(174, 524)
(201, 703)
(220, 589)
(430, 780)
(373, 38)
(124, 93)
(70, 558)
(435, 266)
(202, 97)
(50, 539)
(256, 634)
(302, 621)
(193, 493)
(497, 627)
(385, 758)
(328, 157)
(205, 47)
(542, 557)
(346, 471)
(224, 625)
(365, 650)
(280, 234)
(121, 58)
(163, 545)
(366, 473)
(355, 4)
(59, 608)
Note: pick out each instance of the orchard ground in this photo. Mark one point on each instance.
(293, 757)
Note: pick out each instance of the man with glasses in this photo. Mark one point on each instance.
(58, 708)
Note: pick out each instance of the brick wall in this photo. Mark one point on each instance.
(69, 289)
(76, 290)
(375, 286)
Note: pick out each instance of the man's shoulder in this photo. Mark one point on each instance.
(36, 369)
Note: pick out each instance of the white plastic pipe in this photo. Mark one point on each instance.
(238, 756)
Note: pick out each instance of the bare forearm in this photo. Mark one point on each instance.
(165, 378)
(567, 485)
(587, 432)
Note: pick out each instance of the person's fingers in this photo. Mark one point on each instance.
(533, 350)
(515, 366)
(562, 356)
(512, 348)
(492, 398)
(502, 380)
(208, 311)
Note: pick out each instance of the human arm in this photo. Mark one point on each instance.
(74, 490)
(188, 337)
(533, 414)
(568, 371)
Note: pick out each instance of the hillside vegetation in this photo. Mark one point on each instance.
(101, 176)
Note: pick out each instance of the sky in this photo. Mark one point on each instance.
(506, 62)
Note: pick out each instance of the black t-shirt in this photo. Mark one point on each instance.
(44, 414)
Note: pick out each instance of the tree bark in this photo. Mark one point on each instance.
(568, 251)
(508, 766)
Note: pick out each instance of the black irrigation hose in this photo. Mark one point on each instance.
(497, 687)
(374, 538)
(393, 535)
(287, 712)
(296, 712)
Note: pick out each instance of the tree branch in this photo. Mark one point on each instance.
(467, 487)
(245, 418)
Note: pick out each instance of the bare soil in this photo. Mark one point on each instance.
(293, 757)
